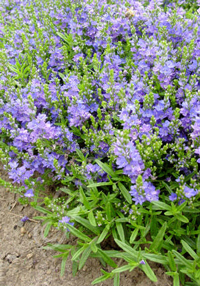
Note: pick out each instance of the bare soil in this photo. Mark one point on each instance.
(23, 261)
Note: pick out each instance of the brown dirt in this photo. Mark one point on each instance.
(23, 261)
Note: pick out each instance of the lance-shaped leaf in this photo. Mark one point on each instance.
(78, 233)
(106, 168)
(159, 238)
(125, 193)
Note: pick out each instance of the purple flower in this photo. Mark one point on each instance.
(189, 192)
(146, 192)
(140, 95)
(25, 218)
(173, 197)
(29, 193)
(66, 220)
(129, 159)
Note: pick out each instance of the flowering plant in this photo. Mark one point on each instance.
(106, 109)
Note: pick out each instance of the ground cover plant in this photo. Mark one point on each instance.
(101, 101)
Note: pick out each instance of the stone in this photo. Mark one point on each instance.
(11, 257)
(30, 255)
(23, 230)
(29, 235)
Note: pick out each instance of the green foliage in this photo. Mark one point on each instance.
(99, 220)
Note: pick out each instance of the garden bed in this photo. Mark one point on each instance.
(100, 135)
(24, 262)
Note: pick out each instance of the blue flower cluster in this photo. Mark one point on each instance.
(83, 76)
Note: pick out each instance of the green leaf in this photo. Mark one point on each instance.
(120, 231)
(122, 268)
(148, 271)
(67, 180)
(94, 189)
(160, 206)
(13, 69)
(74, 268)
(18, 63)
(159, 237)
(182, 260)
(92, 218)
(114, 233)
(158, 258)
(176, 281)
(47, 229)
(58, 255)
(101, 279)
(107, 259)
(189, 250)
(134, 235)
(118, 179)
(117, 279)
(76, 211)
(84, 199)
(100, 184)
(128, 249)
(78, 234)
(43, 210)
(103, 234)
(175, 276)
(168, 213)
(198, 244)
(123, 219)
(57, 247)
(181, 207)
(125, 193)
(189, 241)
(63, 263)
(154, 226)
(84, 257)
(171, 261)
(80, 154)
(87, 224)
(108, 211)
(62, 76)
(181, 218)
(78, 252)
(189, 210)
(93, 246)
(189, 176)
(39, 217)
(106, 168)
(63, 37)
(167, 187)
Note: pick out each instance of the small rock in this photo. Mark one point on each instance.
(11, 257)
(23, 230)
(29, 235)
(48, 271)
(29, 256)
